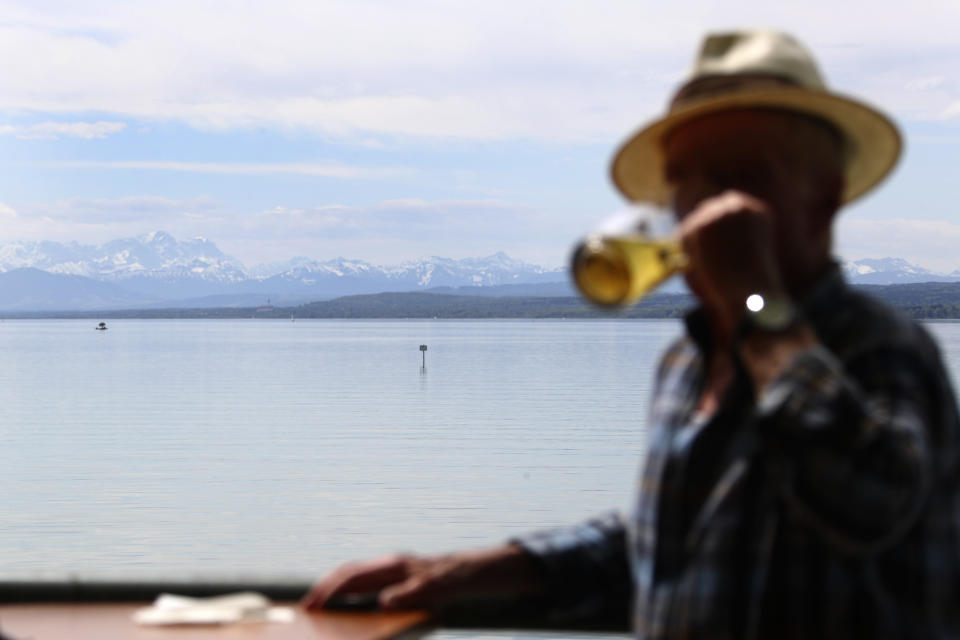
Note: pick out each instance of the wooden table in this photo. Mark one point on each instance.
(109, 621)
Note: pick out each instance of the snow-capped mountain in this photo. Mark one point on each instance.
(156, 268)
(156, 255)
(346, 277)
(273, 268)
(429, 272)
(892, 271)
(496, 269)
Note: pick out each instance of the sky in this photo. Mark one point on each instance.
(393, 130)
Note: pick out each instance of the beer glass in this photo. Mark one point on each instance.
(627, 258)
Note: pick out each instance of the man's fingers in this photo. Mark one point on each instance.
(410, 594)
(349, 582)
(366, 579)
(406, 582)
(362, 577)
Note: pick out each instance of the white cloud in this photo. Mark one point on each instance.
(951, 111)
(372, 143)
(559, 70)
(56, 130)
(331, 170)
(97, 220)
(338, 68)
(925, 84)
(927, 243)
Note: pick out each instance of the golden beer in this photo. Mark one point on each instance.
(615, 271)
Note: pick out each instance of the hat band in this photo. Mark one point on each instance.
(704, 87)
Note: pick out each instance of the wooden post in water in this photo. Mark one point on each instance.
(423, 351)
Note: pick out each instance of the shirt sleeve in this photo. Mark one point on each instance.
(856, 440)
(586, 565)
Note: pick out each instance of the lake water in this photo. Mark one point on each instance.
(173, 448)
(278, 449)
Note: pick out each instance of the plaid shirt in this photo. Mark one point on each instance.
(827, 509)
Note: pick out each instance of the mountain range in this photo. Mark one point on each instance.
(155, 270)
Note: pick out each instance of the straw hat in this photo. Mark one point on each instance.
(759, 69)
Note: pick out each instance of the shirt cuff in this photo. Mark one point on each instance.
(583, 562)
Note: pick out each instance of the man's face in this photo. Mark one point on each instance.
(772, 155)
(790, 162)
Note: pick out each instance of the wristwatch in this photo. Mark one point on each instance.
(768, 314)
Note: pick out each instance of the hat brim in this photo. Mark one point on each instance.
(873, 141)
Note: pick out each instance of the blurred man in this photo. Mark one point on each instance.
(802, 474)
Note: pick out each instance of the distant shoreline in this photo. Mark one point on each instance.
(929, 301)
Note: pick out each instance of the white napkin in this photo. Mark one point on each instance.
(169, 609)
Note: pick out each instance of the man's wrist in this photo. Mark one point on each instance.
(772, 331)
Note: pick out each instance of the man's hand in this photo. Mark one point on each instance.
(731, 241)
(431, 582)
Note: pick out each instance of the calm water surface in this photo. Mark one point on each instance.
(173, 448)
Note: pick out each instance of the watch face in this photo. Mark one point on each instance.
(774, 314)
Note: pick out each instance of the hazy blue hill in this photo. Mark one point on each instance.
(31, 289)
(434, 305)
(918, 294)
(927, 300)
(232, 301)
